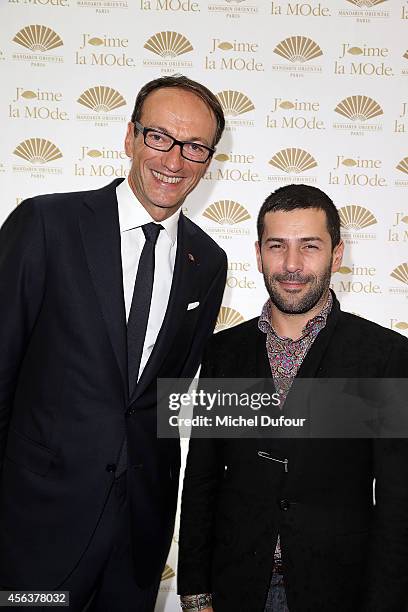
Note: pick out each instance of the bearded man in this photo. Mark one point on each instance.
(292, 524)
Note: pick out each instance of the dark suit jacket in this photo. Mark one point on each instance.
(64, 406)
(340, 553)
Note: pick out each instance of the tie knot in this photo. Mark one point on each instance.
(151, 231)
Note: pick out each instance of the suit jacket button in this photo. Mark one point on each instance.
(284, 504)
(111, 467)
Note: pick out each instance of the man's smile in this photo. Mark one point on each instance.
(166, 179)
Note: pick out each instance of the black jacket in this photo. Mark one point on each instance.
(64, 406)
(340, 553)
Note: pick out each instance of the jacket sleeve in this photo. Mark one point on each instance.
(22, 279)
(387, 572)
(203, 474)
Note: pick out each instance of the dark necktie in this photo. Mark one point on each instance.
(140, 308)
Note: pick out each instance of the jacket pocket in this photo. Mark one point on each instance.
(30, 454)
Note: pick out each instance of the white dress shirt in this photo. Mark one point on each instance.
(132, 215)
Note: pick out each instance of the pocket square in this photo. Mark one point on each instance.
(192, 305)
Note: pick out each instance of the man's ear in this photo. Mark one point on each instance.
(129, 139)
(337, 256)
(258, 256)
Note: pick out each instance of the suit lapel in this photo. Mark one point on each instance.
(100, 231)
(185, 283)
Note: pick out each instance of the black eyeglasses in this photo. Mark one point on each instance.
(193, 151)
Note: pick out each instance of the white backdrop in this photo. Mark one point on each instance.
(314, 92)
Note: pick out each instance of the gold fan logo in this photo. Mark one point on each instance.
(355, 217)
(38, 38)
(298, 49)
(168, 44)
(228, 317)
(401, 273)
(234, 103)
(168, 573)
(366, 3)
(226, 212)
(101, 99)
(293, 161)
(405, 56)
(403, 165)
(359, 108)
(37, 151)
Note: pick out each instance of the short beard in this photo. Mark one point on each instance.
(289, 304)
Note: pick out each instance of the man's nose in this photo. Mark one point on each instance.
(172, 160)
(293, 260)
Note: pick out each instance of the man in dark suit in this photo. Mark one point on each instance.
(289, 524)
(103, 292)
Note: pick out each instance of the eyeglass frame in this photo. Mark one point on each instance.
(143, 130)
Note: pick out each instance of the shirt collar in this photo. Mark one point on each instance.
(320, 319)
(132, 214)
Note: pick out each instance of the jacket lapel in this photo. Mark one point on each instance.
(184, 284)
(99, 223)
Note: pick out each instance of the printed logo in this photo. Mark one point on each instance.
(363, 60)
(233, 167)
(38, 38)
(355, 217)
(362, 281)
(228, 317)
(396, 232)
(111, 51)
(103, 162)
(168, 44)
(300, 9)
(402, 166)
(38, 104)
(103, 7)
(365, 10)
(359, 110)
(298, 49)
(226, 212)
(366, 3)
(358, 172)
(233, 9)
(168, 573)
(101, 100)
(294, 114)
(37, 151)
(235, 103)
(401, 273)
(293, 161)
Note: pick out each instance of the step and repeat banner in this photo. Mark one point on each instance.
(314, 92)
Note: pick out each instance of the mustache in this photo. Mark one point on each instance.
(294, 277)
